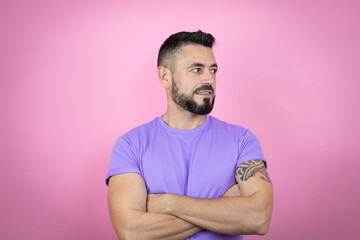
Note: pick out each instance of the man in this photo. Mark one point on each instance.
(173, 178)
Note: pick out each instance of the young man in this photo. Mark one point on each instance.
(173, 178)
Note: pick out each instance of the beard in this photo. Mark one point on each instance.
(188, 103)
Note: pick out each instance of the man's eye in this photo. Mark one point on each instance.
(196, 70)
(213, 71)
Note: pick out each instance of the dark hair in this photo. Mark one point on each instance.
(177, 40)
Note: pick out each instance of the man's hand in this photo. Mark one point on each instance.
(156, 203)
(238, 212)
(233, 191)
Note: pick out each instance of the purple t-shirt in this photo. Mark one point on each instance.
(197, 162)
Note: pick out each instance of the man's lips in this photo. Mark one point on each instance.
(204, 92)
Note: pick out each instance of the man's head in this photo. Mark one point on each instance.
(187, 68)
(171, 48)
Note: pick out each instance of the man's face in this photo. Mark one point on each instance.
(194, 79)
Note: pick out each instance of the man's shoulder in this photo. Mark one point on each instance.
(141, 129)
(223, 125)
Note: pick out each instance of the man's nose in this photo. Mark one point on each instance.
(208, 78)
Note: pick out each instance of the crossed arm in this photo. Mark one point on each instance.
(127, 206)
(245, 209)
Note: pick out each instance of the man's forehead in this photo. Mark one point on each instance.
(198, 53)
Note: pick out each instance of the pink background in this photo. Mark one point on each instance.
(75, 75)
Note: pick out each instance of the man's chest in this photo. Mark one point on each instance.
(198, 168)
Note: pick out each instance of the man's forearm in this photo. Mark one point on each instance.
(232, 215)
(157, 226)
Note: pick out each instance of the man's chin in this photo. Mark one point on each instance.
(202, 109)
(203, 100)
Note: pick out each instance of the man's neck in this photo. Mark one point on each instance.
(176, 117)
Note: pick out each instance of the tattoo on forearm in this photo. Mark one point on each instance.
(249, 169)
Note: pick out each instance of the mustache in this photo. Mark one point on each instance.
(205, 87)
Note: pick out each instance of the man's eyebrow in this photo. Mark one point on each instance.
(214, 65)
(196, 64)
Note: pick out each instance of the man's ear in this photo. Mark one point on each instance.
(164, 75)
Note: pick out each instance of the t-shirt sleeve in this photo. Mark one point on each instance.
(250, 148)
(123, 159)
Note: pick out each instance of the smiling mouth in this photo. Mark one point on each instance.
(204, 93)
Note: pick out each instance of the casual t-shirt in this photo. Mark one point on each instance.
(198, 162)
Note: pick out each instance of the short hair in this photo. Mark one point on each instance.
(174, 43)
